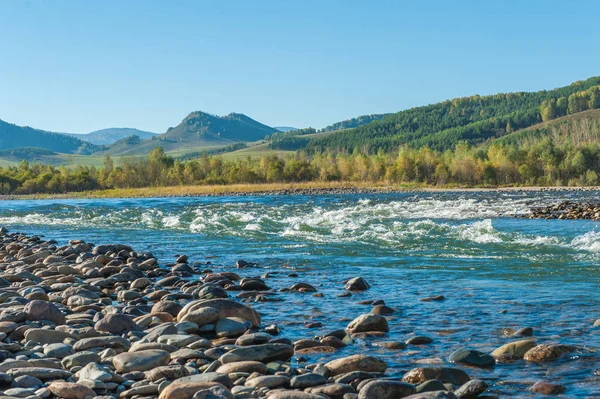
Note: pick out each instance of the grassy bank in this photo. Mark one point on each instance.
(275, 189)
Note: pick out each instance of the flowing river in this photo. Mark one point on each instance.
(496, 272)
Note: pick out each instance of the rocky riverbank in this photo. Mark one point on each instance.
(566, 210)
(80, 321)
(274, 189)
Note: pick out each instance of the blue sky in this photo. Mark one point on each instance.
(78, 66)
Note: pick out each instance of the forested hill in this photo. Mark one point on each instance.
(354, 122)
(473, 119)
(13, 136)
(199, 129)
(574, 130)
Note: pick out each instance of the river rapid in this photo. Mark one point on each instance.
(496, 272)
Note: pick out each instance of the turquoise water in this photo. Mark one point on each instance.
(496, 271)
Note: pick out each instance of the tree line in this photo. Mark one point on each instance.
(543, 163)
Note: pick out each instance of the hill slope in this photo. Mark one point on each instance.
(577, 129)
(440, 126)
(198, 130)
(112, 135)
(13, 136)
(354, 122)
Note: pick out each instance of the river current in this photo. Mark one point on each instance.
(497, 272)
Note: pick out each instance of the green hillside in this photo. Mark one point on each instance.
(578, 129)
(354, 122)
(473, 119)
(199, 130)
(13, 136)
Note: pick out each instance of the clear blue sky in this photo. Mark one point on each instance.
(78, 66)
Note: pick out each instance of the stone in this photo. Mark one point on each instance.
(41, 310)
(27, 381)
(367, 323)
(471, 389)
(171, 372)
(202, 316)
(472, 358)
(101, 342)
(177, 340)
(171, 307)
(383, 310)
(44, 336)
(187, 390)
(344, 365)
(356, 284)
(419, 340)
(58, 350)
(116, 324)
(433, 395)
(386, 389)
(445, 374)
(515, 349)
(332, 390)
(18, 393)
(396, 345)
(431, 386)
(93, 371)
(207, 377)
(548, 388)
(547, 352)
(231, 327)
(69, 390)
(140, 361)
(283, 394)
(262, 353)
(42, 373)
(307, 380)
(80, 359)
(243, 367)
(523, 332)
(226, 308)
(268, 381)
(144, 390)
(253, 339)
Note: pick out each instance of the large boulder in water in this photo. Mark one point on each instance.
(226, 308)
(357, 284)
(367, 323)
(515, 349)
(41, 310)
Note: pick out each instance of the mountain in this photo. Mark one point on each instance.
(354, 122)
(198, 130)
(112, 135)
(472, 119)
(13, 136)
(285, 128)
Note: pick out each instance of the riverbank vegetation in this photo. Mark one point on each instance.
(499, 164)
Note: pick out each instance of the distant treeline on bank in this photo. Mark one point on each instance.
(543, 163)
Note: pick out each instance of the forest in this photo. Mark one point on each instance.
(542, 164)
(472, 119)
